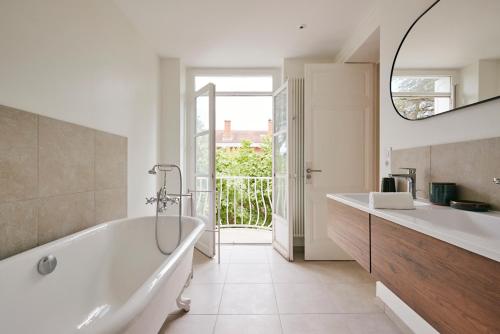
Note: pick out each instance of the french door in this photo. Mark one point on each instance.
(202, 183)
(282, 176)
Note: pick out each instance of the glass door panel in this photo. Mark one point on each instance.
(282, 229)
(204, 166)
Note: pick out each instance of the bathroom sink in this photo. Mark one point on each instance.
(363, 198)
(486, 225)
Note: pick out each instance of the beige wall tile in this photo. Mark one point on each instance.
(472, 165)
(18, 227)
(54, 163)
(18, 129)
(66, 158)
(60, 216)
(110, 161)
(110, 204)
(419, 158)
(18, 174)
(18, 155)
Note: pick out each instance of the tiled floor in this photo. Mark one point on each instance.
(245, 236)
(254, 290)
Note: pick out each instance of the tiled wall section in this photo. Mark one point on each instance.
(56, 178)
(472, 165)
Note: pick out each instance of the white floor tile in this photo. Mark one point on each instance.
(210, 273)
(293, 272)
(248, 324)
(303, 298)
(249, 254)
(205, 298)
(371, 324)
(333, 272)
(354, 298)
(248, 299)
(314, 324)
(189, 324)
(248, 273)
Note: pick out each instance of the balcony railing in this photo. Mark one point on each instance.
(244, 201)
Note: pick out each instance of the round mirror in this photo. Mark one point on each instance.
(449, 59)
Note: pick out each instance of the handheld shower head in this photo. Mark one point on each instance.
(152, 171)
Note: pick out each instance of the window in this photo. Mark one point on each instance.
(237, 84)
(244, 106)
(418, 96)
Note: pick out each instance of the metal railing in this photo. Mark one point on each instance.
(244, 201)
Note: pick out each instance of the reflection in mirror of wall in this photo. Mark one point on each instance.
(449, 59)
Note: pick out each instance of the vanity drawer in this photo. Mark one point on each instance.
(456, 291)
(350, 229)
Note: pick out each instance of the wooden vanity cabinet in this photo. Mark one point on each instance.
(350, 229)
(456, 291)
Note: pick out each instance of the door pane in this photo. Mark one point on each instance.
(202, 113)
(280, 111)
(280, 195)
(202, 199)
(281, 173)
(280, 153)
(202, 158)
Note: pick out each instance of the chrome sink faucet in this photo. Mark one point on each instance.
(496, 180)
(411, 179)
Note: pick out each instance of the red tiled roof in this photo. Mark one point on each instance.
(237, 137)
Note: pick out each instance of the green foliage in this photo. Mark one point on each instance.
(245, 161)
(245, 201)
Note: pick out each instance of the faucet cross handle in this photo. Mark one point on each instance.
(150, 200)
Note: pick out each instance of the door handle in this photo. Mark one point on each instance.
(309, 171)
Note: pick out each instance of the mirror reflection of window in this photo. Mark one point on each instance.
(417, 96)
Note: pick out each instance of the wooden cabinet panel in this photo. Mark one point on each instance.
(456, 291)
(350, 229)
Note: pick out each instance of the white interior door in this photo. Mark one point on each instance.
(282, 176)
(202, 184)
(338, 150)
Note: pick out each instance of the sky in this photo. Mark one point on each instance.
(245, 112)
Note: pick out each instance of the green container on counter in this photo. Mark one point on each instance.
(441, 193)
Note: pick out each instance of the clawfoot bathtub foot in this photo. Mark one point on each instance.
(183, 302)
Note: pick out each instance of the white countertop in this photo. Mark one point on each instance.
(477, 232)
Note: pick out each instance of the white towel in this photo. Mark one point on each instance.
(397, 201)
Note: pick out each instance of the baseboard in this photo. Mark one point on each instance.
(402, 315)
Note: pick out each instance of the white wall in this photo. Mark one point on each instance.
(81, 61)
(482, 121)
(171, 125)
(488, 81)
(294, 67)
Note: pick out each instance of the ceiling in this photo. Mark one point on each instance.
(453, 34)
(251, 33)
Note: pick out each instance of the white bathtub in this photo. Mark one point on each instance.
(110, 278)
